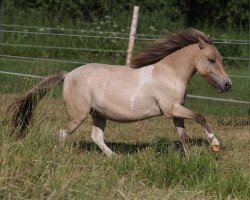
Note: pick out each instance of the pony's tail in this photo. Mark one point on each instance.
(22, 108)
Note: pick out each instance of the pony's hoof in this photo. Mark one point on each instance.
(215, 147)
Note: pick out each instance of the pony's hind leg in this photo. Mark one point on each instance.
(76, 114)
(97, 135)
(69, 128)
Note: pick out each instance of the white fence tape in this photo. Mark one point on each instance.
(62, 47)
(21, 74)
(40, 59)
(217, 99)
(89, 49)
(41, 28)
(73, 62)
(112, 36)
(62, 29)
(67, 35)
(189, 95)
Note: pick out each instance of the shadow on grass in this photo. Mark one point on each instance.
(165, 146)
(160, 145)
(117, 147)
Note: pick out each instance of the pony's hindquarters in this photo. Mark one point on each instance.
(77, 100)
(77, 94)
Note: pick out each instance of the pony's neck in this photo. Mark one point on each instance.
(181, 61)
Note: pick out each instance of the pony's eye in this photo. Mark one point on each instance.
(211, 61)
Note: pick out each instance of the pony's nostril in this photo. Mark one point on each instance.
(227, 86)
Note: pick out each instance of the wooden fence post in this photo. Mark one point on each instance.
(132, 34)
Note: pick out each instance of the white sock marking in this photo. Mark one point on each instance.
(97, 137)
(62, 136)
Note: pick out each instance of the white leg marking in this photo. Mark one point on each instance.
(210, 136)
(97, 137)
(145, 77)
(62, 136)
(213, 140)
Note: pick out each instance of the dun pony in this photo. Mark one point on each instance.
(155, 84)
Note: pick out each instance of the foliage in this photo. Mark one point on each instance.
(221, 13)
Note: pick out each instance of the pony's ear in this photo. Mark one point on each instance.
(202, 44)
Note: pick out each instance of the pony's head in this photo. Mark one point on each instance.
(208, 63)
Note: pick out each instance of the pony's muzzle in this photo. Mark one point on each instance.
(227, 85)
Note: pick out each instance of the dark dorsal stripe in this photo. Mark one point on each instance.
(163, 47)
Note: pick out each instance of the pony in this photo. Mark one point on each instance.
(154, 84)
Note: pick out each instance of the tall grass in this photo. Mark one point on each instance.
(38, 168)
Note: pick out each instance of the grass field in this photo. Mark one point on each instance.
(149, 161)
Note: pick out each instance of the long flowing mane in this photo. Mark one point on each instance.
(163, 47)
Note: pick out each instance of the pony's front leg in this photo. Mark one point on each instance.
(182, 112)
(180, 128)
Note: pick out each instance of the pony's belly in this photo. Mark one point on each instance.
(125, 114)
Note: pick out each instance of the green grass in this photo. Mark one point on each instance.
(149, 163)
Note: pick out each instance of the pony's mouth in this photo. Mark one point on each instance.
(226, 86)
(220, 89)
(216, 85)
